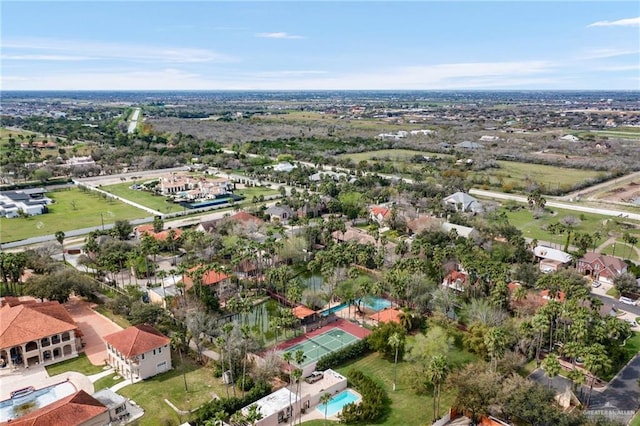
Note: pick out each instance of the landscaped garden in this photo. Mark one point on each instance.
(151, 393)
(72, 209)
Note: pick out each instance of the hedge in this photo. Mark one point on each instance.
(232, 404)
(374, 400)
(334, 359)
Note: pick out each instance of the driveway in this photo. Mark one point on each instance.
(93, 326)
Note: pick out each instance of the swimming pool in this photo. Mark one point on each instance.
(9, 409)
(334, 309)
(376, 303)
(335, 404)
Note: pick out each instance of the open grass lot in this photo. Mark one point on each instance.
(374, 124)
(63, 216)
(150, 394)
(118, 319)
(622, 132)
(393, 154)
(621, 250)
(80, 364)
(147, 199)
(518, 174)
(4, 135)
(533, 228)
(254, 191)
(407, 407)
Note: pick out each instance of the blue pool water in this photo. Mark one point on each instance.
(335, 404)
(9, 409)
(376, 303)
(333, 309)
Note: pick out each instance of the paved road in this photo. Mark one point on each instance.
(556, 204)
(134, 121)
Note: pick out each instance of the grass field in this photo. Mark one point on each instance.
(63, 216)
(393, 154)
(622, 250)
(159, 203)
(80, 364)
(533, 228)
(106, 382)
(518, 174)
(361, 124)
(147, 199)
(150, 394)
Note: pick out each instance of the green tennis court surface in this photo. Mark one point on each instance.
(318, 346)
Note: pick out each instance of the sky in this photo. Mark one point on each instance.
(320, 45)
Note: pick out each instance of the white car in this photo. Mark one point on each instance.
(627, 301)
(596, 284)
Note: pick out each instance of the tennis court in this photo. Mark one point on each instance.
(318, 346)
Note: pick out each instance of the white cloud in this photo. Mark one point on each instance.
(280, 35)
(629, 22)
(608, 53)
(101, 50)
(45, 58)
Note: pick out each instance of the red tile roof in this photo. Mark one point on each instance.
(137, 340)
(161, 236)
(377, 210)
(302, 312)
(26, 322)
(243, 216)
(73, 410)
(387, 315)
(209, 278)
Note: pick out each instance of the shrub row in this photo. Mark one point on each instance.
(232, 404)
(353, 351)
(374, 400)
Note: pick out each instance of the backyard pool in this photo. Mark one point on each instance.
(335, 404)
(376, 303)
(334, 309)
(24, 404)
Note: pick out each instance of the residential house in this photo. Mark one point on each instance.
(601, 267)
(456, 280)
(461, 231)
(219, 280)
(116, 404)
(463, 202)
(469, 145)
(279, 406)
(551, 259)
(283, 166)
(30, 201)
(353, 234)
(379, 214)
(147, 229)
(280, 213)
(33, 333)
(423, 223)
(79, 409)
(138, 352)
(194, 188)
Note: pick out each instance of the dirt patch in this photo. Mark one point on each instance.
(625, 193)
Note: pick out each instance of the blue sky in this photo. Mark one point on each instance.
(319, 45)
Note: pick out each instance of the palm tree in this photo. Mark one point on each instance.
(324, 399)
(176, 343)
(299, 357)
(437, 371)
(227, 329)
(596, 361)
(60, 237)
(288, 357)
(551, 367)
(253, 414)
(297, 375)
(394, 341)
(496, 342)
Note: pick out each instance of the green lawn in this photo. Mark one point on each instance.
(106, 382)
(404, 401)
(393, 154)
(518, 175)
(622, 250)
(634, 422)
(80, 364)
(147, 199)
(533, 228)
(150, 394)
(118, 319)
(252, 191)
(89, 210)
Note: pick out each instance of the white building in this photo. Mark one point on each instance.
(30, 201)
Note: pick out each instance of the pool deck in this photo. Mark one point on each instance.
(351, 328)
(38, 377)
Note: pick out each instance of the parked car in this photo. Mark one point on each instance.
(627, 301)
(596, 284)
(314, 377)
